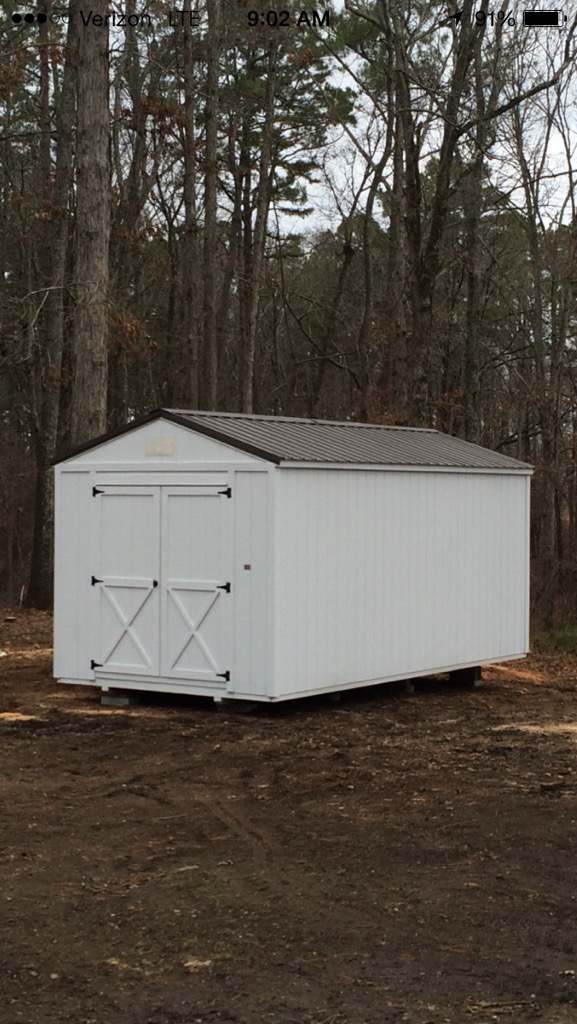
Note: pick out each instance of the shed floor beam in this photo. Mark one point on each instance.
(467, 676)
(240, 707)
(117, 699)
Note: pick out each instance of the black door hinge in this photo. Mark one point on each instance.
(223, 586)
(96, 491)
(95, 580)
(155, 583)
(228, 492)
(224, 675)
(95, 664)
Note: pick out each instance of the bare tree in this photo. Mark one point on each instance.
(547, 311)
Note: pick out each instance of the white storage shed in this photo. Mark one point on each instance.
(266, 558)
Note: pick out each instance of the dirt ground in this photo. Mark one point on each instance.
(393, 857)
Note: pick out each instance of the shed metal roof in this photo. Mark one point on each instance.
(280, 439)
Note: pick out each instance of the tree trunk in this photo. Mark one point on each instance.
(210, 207)
(546, 400)
(47, 374)
(472, 203)
(259, 237)
(393, 376)
(473, 208)
(189, 390)
(367, 321)
(90, 328)
(328, 335)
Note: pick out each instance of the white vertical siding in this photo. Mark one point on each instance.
(251, 670)
(385, 574)
(74, 598)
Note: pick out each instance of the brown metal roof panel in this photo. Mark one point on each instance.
(284, 439)
(310, 441)
(325, 441)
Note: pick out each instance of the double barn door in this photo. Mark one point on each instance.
(163, 582)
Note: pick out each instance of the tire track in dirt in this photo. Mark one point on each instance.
(285, 878)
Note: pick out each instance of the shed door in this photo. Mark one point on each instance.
(126, 578)
(196, 595)
(165, 596)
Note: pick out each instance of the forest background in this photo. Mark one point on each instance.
(373, 221)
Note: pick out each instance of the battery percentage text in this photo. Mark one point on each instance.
(503, 18)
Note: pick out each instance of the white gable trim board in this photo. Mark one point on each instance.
(186, 564)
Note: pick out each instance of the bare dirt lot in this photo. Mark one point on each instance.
(393, 857)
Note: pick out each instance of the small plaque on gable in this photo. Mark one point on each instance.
(160, 446)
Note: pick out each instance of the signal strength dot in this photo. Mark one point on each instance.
(41, 18)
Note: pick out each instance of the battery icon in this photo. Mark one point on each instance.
(545, 18)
